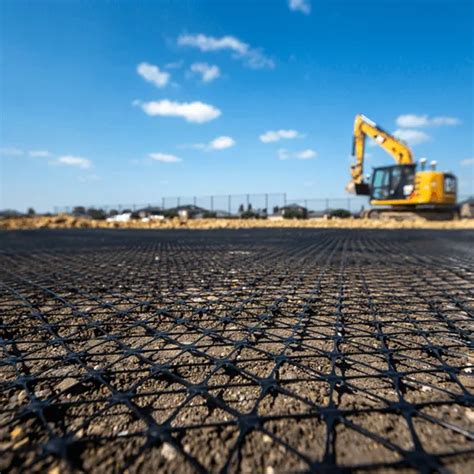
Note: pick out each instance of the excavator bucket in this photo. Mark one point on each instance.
(362, 189)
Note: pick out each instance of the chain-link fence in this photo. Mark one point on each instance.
(231, 204)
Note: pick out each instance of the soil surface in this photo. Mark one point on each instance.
(259, 350)
(64, 221)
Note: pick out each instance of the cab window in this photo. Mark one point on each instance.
(449, 184)
(381, 184)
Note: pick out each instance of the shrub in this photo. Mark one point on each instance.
(341, 213)
(295, 214)
(249, 215)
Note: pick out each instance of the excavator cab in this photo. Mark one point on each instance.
(393, 182)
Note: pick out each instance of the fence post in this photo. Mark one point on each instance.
(178, 201)
(194, 200)
(327, 204)
(248, 200)
(284, 199)
(212, 203)
(266, 202)
(163, 203)
(229, 205)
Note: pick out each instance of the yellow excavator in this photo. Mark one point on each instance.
(406, 191)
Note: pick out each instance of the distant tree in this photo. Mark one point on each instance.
(276, 210)
(31, 211)
(341, 213)
(295, 212)
(79, 211)
(241, 208)
(249, 207)
(97, 214)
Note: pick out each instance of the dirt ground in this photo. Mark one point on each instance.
(255, 350)
(63, 221)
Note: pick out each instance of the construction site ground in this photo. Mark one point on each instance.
(65, 221)
(252, 350)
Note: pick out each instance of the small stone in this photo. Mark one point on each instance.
(66, 384)
(266, 439)
(168, 452)
(21, 395)
(43, 393)
(20, 443)
(269, 470)
(466, 380)
(470, 414)
(16, 432)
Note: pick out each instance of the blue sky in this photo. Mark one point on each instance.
(107, 102)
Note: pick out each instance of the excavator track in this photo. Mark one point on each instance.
(446, 214)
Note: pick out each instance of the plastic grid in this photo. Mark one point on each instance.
(241, 351)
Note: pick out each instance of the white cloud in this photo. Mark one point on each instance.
(420, 121)
(78, 161)
(208, 72)
(467, 162)
(253, 57)
(164, 157)
(40, 154)
(11, 151)
(451, 121)
(221, 143)
(411, 120)
(303, 6)
(307, 154)
(412, 137)
(152, 73)
(276, 135)
(197, 112)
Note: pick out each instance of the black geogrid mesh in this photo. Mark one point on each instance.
(252, 351)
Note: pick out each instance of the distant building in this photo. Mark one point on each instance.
(293, 211)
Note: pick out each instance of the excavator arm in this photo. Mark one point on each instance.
(364, 127)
